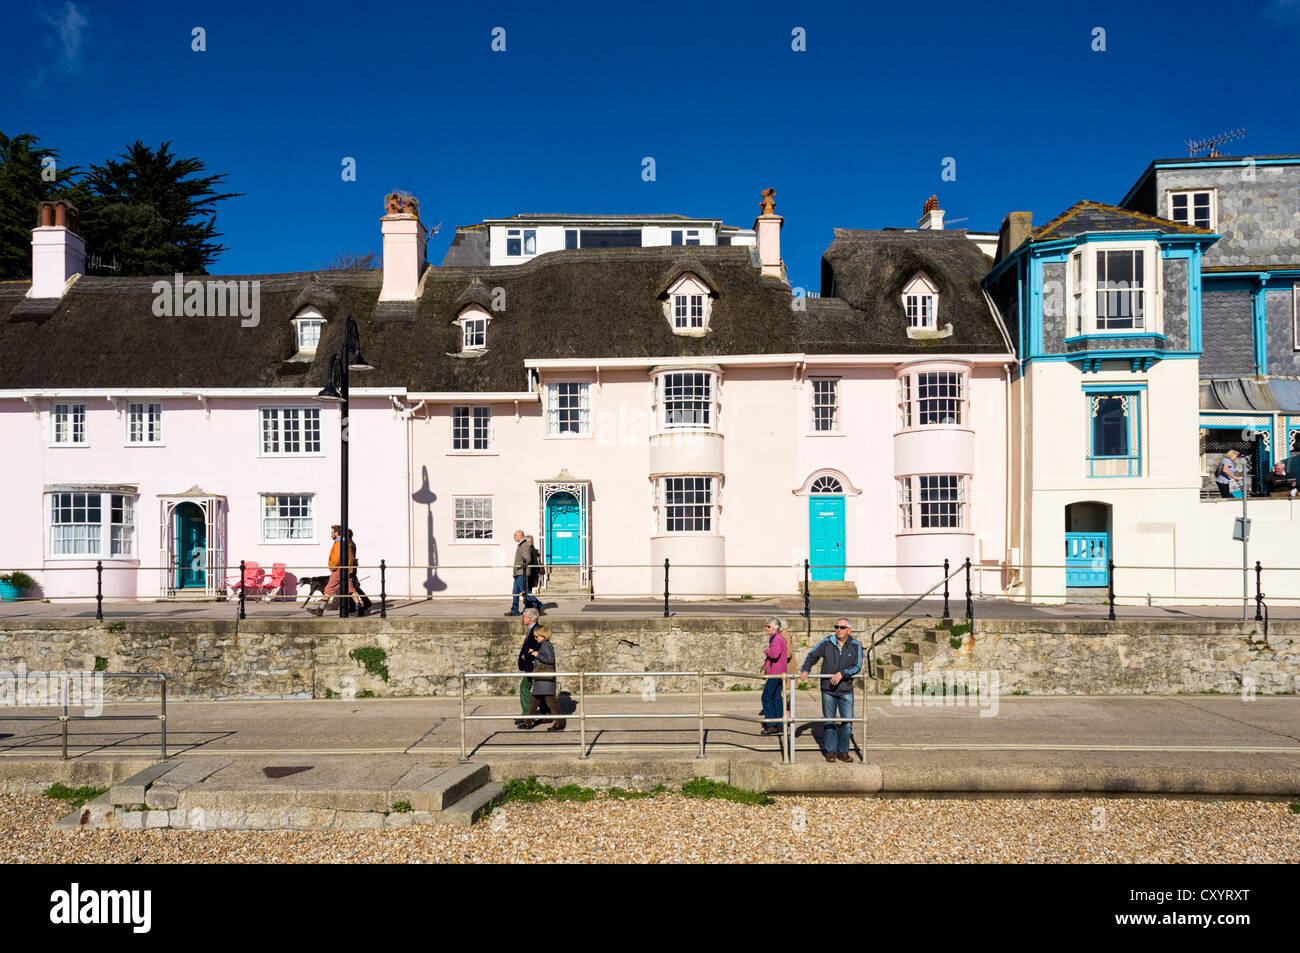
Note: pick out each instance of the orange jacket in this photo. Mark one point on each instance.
(334, 555)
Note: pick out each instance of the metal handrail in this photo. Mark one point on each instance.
(66, 716)
(873, 642)
(787, 720)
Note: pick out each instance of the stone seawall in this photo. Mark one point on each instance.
(309, 658)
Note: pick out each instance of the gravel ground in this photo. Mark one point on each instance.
(672, 828)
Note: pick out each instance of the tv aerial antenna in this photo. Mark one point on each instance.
(1210, 146)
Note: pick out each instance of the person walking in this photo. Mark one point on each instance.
(355, 583)
(776, 660)
(521, 566)
(841, 658)
(544, 688)
(534, 567)
(330, 596)
(1226, 474)
(525, 663)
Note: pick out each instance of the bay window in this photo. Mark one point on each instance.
(688, 504)
(932, 501)
(92, 524)
(1114, 289)
(686, 400)
(934, 398)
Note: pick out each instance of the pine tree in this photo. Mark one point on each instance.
(24, 183)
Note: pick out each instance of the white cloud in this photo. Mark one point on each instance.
(70, 25)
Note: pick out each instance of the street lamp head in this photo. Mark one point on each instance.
(330, 392)
(353, 341)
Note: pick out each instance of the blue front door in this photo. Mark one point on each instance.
(191, 547)
(563, 530)
(826, 537)
(1085, 559)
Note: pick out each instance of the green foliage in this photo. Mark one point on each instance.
(401, 807)
(804, 686)
(741, 687)
(151, 210)
(330, 693)
(526, 791)
(22, 189)
(708, 788)
(574, 792)
(955, 643)
(1020, 691)
(18, 579)
(620, 794)
(373, 659)
(115, 627)
(958, 630)
(747, 596)
(366, 693)
(101, 664)
(1295, 808)
(74, 796)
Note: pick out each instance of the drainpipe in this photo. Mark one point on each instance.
(1006, 519)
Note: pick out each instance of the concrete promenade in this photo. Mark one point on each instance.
(1165, 734)
(789, 607)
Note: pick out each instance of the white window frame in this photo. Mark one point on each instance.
(71, 410)
(911, 503)
(108, 533)
(686, 400)
(278, 409)
(553, 410)
(478, 428)
(473, 332)
(710, 504)
(152, 410)
(921, 303)
(834, 405)
(1081, 293)
(689, 305)
(299, 326)
(1191, 205)
(912, 406)
(264, 516)
(462, 519)
(521, 235)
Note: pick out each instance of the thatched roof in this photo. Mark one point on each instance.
(576, 304)
(863, 277)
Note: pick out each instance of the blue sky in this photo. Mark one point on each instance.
(853, 132)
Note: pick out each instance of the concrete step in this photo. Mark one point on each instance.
(904, 660)
(450, 787)
(836, 588)
(471, 807)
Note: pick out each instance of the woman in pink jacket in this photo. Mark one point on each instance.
(774, 663)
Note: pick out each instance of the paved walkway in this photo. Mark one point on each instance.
(1174, 732)
(789, 606)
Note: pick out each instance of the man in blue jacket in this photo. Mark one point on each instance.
(841, 658)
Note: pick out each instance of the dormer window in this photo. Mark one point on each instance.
(688, 305)
(307, 327)
(921, 302)
(685, 236)
(473, 323)
(521, 242)
(1195, 208)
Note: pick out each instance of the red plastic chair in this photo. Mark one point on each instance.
(273, 585)
(252, 581)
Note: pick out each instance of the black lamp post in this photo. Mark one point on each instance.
(336, 391)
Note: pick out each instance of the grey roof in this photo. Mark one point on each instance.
(863, 277)
(468, 248)
(1248, 395)
(1090, 216)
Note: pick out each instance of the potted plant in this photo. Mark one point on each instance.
(12, 585)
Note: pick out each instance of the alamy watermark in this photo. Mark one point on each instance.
(209, 298)
(53, 689)
(947, 688)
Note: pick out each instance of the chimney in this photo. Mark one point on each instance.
(1016, 227)
(58, 252)
(931, 215)
(767, 227)
(404, 240)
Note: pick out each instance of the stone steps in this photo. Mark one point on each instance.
(842, 589)
(204, 793)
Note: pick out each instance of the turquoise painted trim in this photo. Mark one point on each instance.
(1022, 308)
(1035, 307)
(1134, 457)
(1257, 320)
(1254, 275)
(1114, 388)
(1194, 300)
(1118, 355)
(1112, 337)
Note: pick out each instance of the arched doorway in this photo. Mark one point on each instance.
(191, 546)
(826, 552)
(1087, 544)
(563, 530)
